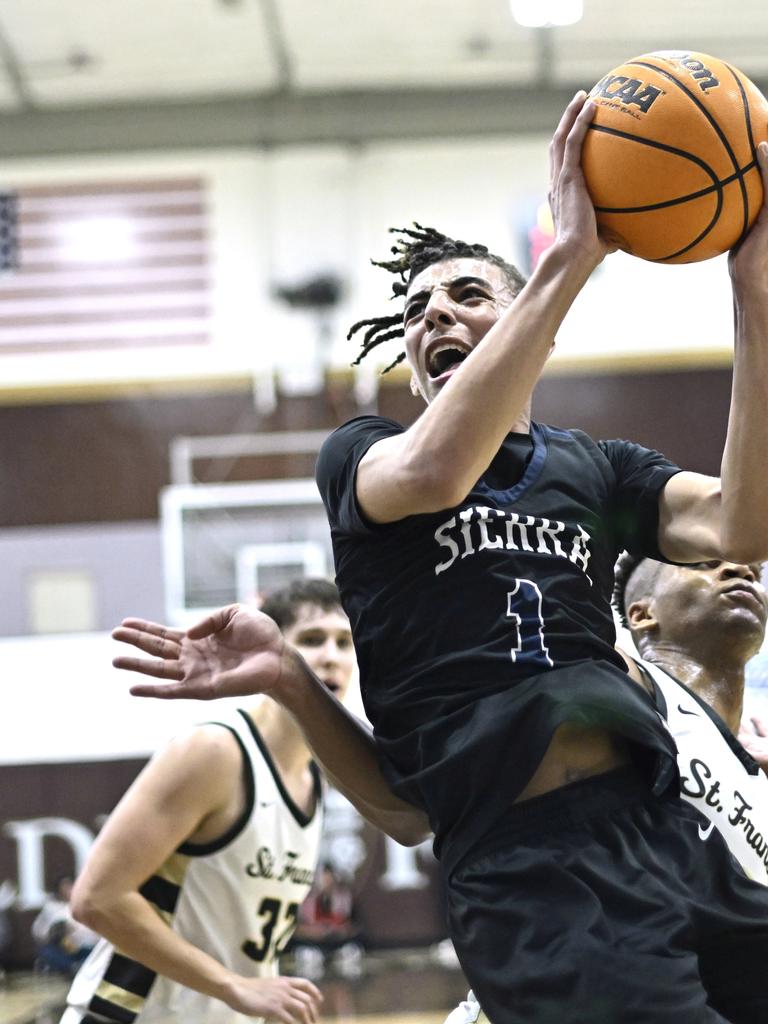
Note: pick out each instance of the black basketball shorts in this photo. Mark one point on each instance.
(599, 903)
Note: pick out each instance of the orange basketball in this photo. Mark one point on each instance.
(670, 158)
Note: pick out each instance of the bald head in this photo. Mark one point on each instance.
(634, 579)
(692, 608)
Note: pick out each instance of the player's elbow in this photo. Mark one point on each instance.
(434, 485)
(86, 906)
(85, 912)
(407, 825)
(409, 829)
(411, 836)
(410, 477)
(408, 493)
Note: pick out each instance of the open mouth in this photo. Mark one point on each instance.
(444, 358)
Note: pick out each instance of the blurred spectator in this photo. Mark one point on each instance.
(327, 929)
(62, 943)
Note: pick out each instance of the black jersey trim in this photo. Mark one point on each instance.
(746, 759)
(303, 819)
(658, 694)
(111, 1010)
(234, 830)
(161, 892)
(530, 475)
(130, 975)
(317, 778)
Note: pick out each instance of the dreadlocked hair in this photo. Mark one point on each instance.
(416, 248)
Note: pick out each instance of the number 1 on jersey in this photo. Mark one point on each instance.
(524, 611)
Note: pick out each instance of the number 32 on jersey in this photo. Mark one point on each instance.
(524, 614)
(279, 921)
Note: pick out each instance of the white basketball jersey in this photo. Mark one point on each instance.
(717, 775)
(236, 898)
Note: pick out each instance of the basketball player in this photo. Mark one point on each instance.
(474, 554)
(701, 623)
(483, 544)
(196, 878)
(696, 627)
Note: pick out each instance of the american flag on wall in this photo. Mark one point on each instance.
(107, 265)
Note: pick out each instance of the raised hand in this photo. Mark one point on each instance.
(233, 652)
(284, 999)
(572, 210)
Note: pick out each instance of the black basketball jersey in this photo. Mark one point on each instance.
(480, 628)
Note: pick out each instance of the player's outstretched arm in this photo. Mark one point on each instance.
(187, 782)
(702, 517)
(238, 651)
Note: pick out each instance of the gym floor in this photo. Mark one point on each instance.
(396, 987)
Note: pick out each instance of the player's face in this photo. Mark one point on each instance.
(449, 308)
(324, 640)
(711, 600)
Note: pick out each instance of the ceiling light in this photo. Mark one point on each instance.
(543, 13)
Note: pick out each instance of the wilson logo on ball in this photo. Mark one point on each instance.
(699, 72)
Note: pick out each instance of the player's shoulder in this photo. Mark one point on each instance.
(620, 451)
(205, 749)
(573, 443)
(199, 768)
(360, 427)
(636, 465)
(351, 439)
(555, 435)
